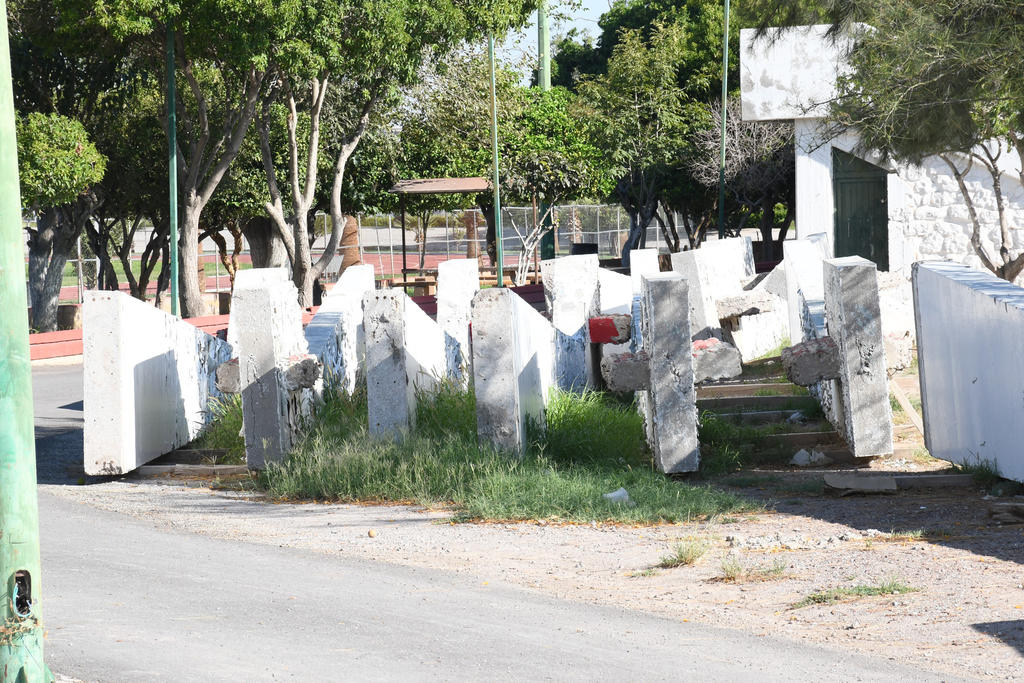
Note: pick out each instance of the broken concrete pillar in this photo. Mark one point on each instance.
(626, 371)
(746, 304)
(269, 323)
(227, 378)
(458, 281)
(405, 352)
(716, 270)
(616, 292)
(513, 367)
(148, 379)
(335, 334)
(670, 404)
(812, 361)
(572, 295)
(714, 359)
(854, 321)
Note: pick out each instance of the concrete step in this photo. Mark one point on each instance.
(750, 389)
(730, 404)
(803, 439)
(757, 417)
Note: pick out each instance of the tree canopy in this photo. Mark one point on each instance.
(56, 160)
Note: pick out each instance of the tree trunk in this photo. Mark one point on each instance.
(492, 244)
(48, 254)
(469, 221)
(191, 290)
(349, 244)
(266, 248)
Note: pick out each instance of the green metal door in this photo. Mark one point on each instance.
(861, 214)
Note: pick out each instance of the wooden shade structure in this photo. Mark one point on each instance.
(418, 186)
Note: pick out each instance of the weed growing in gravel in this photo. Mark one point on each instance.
(985, 472)
(734, 570)
(641, 573)
(591, 446)
(891, 587)
(683, 555)
(225, 429)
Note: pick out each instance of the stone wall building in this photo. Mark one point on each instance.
(890, 213)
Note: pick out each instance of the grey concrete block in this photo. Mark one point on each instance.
(301, 372)
(266, 311)
(812, 361)
(670, 404)
(748, 303)
(713, 360)
(573, 296)
(854, 322)
(513, 367)
(626, 371)
(228, 380)
(405, 352)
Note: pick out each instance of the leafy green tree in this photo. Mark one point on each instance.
(639, 119)
(546, 153)
(366, 53)
(760, 171)
(58, 165)
(224, 51)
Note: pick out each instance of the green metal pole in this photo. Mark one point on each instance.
(172, 167)
(725, 99)
(21, 633)
(494, 154)
(547, 241)
(543, 47)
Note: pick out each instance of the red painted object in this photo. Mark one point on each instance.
(603, 331)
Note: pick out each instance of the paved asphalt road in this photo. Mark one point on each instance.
(125, 601)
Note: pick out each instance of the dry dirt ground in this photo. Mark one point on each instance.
(965, 616)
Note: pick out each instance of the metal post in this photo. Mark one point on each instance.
(21, 641)
(172, 167)
(391, 248)
(78, 244)
(725, 98)
(359, 235)
(447, 246)
(500, 248)
(405, 277)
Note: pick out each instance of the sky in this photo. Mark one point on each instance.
(525, 42)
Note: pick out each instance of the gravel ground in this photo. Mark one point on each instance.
(966, 617)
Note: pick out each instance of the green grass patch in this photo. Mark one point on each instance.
(683, 555)
(224, 431)
(592, 445)
(834, 595)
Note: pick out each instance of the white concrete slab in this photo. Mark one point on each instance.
(969, 327)
(335, 334)
(148, 379)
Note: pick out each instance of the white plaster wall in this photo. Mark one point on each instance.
(969, 326)
(148, 378)
(335, 334)
(931, 219)
(791, 75)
